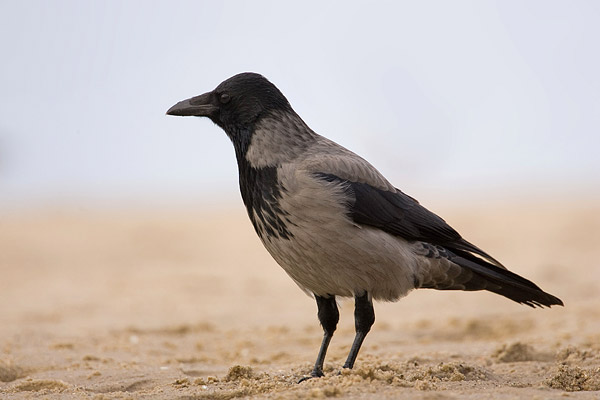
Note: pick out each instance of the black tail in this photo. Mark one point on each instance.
(486, 276)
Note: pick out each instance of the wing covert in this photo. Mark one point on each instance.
(400, 215)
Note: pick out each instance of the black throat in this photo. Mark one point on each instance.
(261, 191)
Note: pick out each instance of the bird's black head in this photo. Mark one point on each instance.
(236, 104)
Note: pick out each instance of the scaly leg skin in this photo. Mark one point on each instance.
(364, 317)
(328, 317)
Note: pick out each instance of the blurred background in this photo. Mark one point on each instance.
(122, 232)
(464, 100)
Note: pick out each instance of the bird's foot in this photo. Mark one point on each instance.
(343, 370)
(314, 374)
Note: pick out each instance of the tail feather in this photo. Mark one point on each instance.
(504, 282)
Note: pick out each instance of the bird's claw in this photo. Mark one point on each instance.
(304, 378)
(313, 374)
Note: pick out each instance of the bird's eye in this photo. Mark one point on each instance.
(224, 98)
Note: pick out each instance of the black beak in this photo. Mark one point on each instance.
(199, 106)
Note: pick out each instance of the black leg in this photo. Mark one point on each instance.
(328, 317)
(364, 317)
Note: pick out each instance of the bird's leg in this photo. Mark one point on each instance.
(328, 317)
(364, 317)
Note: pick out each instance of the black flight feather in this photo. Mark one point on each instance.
(401, 215)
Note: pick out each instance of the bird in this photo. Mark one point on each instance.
(333, 222)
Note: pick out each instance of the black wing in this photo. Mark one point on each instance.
(401, 215)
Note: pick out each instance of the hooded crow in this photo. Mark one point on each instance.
(334, 224)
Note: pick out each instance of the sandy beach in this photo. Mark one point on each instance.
(187, 304)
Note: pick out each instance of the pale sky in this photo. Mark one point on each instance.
(458, 98)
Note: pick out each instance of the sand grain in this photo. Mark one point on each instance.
(127, 305)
